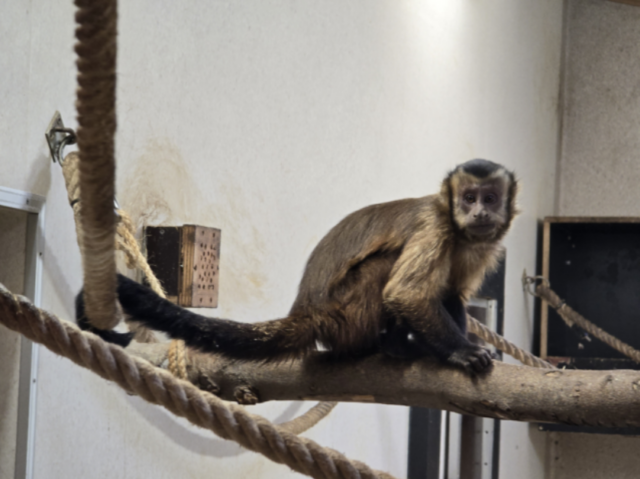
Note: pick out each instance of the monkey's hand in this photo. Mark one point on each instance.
(472, 358)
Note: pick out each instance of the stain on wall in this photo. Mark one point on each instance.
(599, 173)
(600, 162)
(161, 191)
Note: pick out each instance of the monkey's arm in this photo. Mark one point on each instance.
(419, 297)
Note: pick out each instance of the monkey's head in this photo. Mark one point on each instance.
(481, 196)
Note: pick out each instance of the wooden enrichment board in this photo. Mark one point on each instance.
(186, 260)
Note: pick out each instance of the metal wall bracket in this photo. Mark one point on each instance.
(58, 137)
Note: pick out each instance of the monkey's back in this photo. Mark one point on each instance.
(340, 293)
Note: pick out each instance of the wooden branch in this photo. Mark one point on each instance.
(521, 393)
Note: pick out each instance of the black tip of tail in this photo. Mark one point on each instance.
(121, 339)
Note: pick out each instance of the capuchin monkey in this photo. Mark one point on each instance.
(392, 277)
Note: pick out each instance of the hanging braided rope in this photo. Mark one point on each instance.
(125, 239)
(96, 49)
(158, 386)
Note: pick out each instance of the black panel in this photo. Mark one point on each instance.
(424, 443)
(163, 255)
(595, 268)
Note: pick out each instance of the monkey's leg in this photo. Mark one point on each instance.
(453, 304)
(442, 335)
(399, 341)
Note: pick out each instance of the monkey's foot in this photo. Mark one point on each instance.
(474, 359)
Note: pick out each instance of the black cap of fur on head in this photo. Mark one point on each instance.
(481, 169)
(478, 167)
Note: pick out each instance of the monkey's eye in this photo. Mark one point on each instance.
(469, 198)
(489, 199)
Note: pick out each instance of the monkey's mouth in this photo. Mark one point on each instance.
(482, 228)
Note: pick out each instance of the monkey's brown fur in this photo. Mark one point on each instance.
(400, 270)
(404, 256)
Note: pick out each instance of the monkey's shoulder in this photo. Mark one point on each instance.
(398, 217)
(377, 230)
(378, 227)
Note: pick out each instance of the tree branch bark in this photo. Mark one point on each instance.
(521, 393)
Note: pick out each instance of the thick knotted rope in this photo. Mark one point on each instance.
(158, 386)
(525, 357)
(96, 49)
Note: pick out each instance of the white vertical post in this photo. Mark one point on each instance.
(34, 205)
(454, 445)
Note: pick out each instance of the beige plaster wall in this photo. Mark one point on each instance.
(599, 174)
(600, 168)
(593, 456)
(271, 120)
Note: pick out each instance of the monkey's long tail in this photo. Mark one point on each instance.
(276, 339)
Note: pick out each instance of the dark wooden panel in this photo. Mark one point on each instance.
(163, 255)
(594, 265)
(595, 268)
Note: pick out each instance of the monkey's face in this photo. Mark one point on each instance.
(480, 207)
